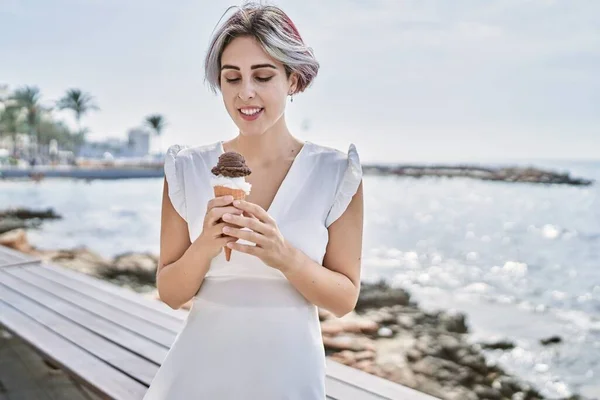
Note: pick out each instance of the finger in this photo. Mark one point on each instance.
(224, 240)
(247, 214)
(219, 202)
(245, 248)
(215, 214)
(246, 222)
(217, 229)
(250, 236)
(253, 209)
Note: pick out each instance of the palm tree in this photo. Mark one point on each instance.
(80, 103)
(9, 123)
(157, 123)
(28, 97)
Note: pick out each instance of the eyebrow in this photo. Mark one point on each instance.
(257, 66)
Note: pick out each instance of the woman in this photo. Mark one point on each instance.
(253, 330)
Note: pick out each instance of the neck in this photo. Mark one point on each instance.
(274, 144)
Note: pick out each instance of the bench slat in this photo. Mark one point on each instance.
(9, 257)
(136, 367)
(375, 384)
(113, 354)
(149, 314)
(340, 390)
(106, 329)
(99, 377)
(111, 288)
(151, 331)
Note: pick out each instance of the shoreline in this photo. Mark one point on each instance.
(388, 334)
(512, 174)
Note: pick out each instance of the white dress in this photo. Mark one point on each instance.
(250, 334)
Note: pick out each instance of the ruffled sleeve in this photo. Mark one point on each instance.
(174, 175)
(347, 187)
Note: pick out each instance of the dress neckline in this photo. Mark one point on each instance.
(292, 171)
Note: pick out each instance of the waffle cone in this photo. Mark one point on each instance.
(238, 194)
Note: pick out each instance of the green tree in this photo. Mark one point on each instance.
(80, 103)
(29, 98)
(10, 123)
(50, 129)
(157, 123)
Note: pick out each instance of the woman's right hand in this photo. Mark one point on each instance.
(212, 240)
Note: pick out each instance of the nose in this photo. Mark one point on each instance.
(247, 91)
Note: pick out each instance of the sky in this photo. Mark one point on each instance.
(404, 80)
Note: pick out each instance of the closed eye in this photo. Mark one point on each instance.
(233, 80)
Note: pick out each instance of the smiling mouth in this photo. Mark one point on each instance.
(250, 114)
(250, 111)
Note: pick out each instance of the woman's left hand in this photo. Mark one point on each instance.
(271, 247)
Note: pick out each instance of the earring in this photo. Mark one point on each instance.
(291, 98)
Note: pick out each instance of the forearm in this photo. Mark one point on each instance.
(178, 282)
(323, 287)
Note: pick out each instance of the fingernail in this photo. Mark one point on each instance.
(236, 203)
(226, 216)
(228, 198)
(226, 229)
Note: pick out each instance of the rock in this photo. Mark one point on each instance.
(499, 345)
(16, 239)
(442, 370)
(385, 332)
(504, 174)
(21, 218)
(367, 366)
(475, 362)
(460, 393)
(381, 294)
(24, 213)
(142, 266)
(406, 321)
(401, 375)
(80, 259)
(346, 342)
(325, 314)
(551, 340)
(413, 355)
(453, 321)
(365, 355)
(449, 345)
(345, 357)
(354, 323)
(331, 327)
(9, 224)
(510, 386)
(350, 323)
(382, 316)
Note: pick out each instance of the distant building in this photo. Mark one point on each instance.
(139, 142)
(137, 145)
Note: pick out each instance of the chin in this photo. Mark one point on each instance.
(250, 130)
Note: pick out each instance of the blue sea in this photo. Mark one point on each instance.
(521, 260)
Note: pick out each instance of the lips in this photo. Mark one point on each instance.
(250, 113)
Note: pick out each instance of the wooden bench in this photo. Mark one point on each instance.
(113, 340)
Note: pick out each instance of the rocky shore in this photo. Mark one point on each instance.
(387, 335)
(505, 174)
(24, 218)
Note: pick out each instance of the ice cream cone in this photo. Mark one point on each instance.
(238, 194)
(229, 179)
